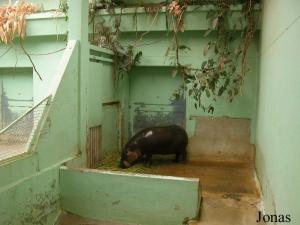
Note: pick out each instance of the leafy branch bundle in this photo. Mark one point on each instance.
(223, 72)
(13, 24)
(12, 20)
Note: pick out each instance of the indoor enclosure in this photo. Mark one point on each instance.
(79, 78)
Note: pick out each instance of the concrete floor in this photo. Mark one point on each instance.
(231, 210)
(230, 194)
(11, 150)
(69, 219)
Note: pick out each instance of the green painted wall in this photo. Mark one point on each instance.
(15, 98)
(151, 98)
(154, 55)
(102, 91)
(32, 179)
(45, 64)
(32, 200)
(71, 79)
(154, 44)
(278, 124)
(113, 196)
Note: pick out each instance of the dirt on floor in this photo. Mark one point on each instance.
(70, 219)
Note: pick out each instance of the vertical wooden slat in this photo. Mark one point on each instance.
(94, 147)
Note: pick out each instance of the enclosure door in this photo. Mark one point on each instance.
(111, 128)
(152, 99)
(16, 89)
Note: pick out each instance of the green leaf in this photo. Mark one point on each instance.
(211, 109)
(184, 47)
(187, 81)
(221, 90)
(211, 62)
(236, 91)
(207, 93)
(216, 49)
(137, 57)
(226, 83)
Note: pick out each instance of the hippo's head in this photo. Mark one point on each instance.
(130, 156)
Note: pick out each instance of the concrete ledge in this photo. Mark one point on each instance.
(130, 198)
(46, 24)
(135, 19)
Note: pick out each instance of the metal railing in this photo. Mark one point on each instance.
(16, 138)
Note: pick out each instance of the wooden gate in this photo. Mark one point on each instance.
(94, 147)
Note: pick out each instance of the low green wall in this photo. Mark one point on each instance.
(32, 200)
(130, 198)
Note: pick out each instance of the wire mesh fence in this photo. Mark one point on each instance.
(15, 138)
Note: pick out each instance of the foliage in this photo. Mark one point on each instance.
(12, 20)
(64, 7)
(124, 56)
(13, 24)
(222, 73)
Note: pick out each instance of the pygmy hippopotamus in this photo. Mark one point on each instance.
(155, 140)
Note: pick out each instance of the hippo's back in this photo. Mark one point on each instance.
(163, 139)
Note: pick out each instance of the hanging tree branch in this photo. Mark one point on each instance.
(13, 23)
(217, 75)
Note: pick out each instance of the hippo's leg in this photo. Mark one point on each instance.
(183, 155)
(180, 157)
(142, 159)
(148, 160)
(177, 158)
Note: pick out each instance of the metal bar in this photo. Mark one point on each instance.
(35, 132)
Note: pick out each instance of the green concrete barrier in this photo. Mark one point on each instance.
(130, 198)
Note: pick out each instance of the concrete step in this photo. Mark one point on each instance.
(221, 139)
